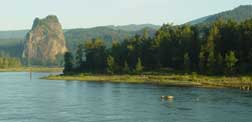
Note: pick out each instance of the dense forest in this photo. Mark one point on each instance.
(11, 42)
(224, 47)
(7, 62)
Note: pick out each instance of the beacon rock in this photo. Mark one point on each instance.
(44, 42)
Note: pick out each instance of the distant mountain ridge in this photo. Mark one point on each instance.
(134, 27)
(10, 34)
(11, 41)
(238, 14)
(19, 34)
(107, 33)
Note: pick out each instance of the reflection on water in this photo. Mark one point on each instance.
(36, 100)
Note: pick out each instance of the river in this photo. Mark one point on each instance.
(37, 100)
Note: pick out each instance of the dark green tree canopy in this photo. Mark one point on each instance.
(223, 47)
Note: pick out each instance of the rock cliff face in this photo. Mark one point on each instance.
(44, 42)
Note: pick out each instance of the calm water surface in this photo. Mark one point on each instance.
(36, 100)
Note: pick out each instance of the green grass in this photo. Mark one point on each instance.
(190, 80)
(33, 69)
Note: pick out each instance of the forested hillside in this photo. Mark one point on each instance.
(11, 47)
(223, 48)
(238, 14)
(11, 42)
(77, 36)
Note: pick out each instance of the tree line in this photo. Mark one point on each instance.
(8, 62)
(224, 47)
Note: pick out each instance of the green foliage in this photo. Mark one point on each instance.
(201, 62)
(106, 33)
(206, 45)
(11, 41)
(208, 50)
(211, 63)
(194, 76)
(80, 55)
(139, 67)
(111, 66)
(7, 62)
(69, 63)
(219, 64)
(231, 61)
(126, 68)
(95, 53)
(187, 62)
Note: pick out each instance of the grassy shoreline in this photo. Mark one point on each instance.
(165, 79)
(33, 69)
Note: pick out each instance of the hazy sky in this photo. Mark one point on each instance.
(19, 14)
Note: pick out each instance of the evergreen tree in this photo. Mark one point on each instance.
(126, 68)
(201, 62)
(80, 55)
(187, 62)
(139, 67)
(231, 61)
(111, 66)
(208, 49)
(7, 62)
(95, 53)
(219, 64)
(69, 63)
(211, 63)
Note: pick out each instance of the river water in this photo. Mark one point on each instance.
(36, 100)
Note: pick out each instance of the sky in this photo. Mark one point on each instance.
(19, 14)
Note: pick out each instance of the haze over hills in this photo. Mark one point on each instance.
(19, 34)
(107, 33)
(11, 41)
(239, 14)
(134, 27)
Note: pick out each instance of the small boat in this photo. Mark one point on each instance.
(167, 97)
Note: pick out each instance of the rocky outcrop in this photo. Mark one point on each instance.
(45, 41)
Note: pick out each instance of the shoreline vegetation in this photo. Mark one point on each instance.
(221, 52)
(243, 82)
(33, 69)
(181, 80)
